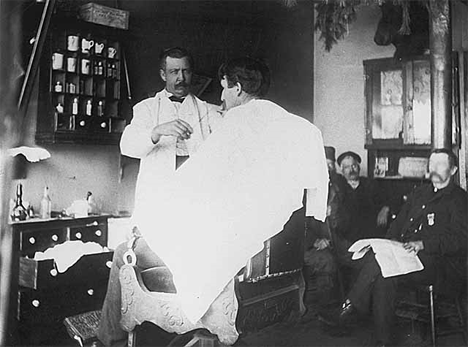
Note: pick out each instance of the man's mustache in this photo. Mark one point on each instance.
(182, 84)
(434, 174)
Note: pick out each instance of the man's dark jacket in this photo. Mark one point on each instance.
(439, 219)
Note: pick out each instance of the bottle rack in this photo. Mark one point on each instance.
(84, 70)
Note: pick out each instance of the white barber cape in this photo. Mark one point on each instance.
(237, 191)
(157, 161)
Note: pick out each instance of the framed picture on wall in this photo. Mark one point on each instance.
(199, 84)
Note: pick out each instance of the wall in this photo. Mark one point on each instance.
(213, 31)
(339, 101)
(339, 83)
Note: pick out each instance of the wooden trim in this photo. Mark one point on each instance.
(463, 73)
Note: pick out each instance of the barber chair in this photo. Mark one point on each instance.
(267, 290)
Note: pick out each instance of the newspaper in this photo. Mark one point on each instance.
(391, 256)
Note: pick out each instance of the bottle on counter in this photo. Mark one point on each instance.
(46, 204)
(19, 212)
(92, 206)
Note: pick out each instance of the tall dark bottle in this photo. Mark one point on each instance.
(19, 212)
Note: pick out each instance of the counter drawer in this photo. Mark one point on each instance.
(34, 241)
(40, 274)
(92, 232)
(47, 307)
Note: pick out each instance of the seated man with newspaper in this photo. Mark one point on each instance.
(432, 226)
(237, 191)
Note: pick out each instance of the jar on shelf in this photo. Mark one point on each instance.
(57, 61)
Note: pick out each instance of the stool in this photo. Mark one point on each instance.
(437, 307)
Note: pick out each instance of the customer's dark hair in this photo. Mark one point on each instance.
(453, 160)
(174, 52)
(252, 74)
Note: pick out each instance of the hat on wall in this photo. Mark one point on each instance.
(330, 153)
(349, 154)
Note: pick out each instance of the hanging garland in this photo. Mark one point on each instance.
(333, 19)
(335, 16)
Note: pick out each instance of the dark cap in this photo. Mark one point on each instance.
(349, 154)
(330, 153)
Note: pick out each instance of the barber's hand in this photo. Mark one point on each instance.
(382, 217)
(177, 128)
(414, 246)
(320, 244)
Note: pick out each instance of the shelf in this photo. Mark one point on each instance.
(84, 60)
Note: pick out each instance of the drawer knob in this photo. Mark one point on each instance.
(98, 233)
(54, 237)
(78, 235)
(108, 264)
(103, 125)
(53, 272)
(35, 303)
(82, 123)
(90, 292)
(32, 240)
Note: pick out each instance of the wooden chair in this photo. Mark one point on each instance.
(427, 306)
(268, 289)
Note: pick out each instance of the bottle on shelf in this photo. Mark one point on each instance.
(46, 204)
(89, 108)
(58, 87)
(19, 212)
(110, 71)
(100, 68)
(114, 70)
(75, 106)
(100, 108)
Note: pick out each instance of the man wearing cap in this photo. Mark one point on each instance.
(368, 210)
(432, 224)
(319, 262)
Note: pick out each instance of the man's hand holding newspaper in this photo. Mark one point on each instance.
(393, 257)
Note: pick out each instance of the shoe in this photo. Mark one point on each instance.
(338, 318)
(347, 311)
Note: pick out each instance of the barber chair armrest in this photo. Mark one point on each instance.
(140, 304)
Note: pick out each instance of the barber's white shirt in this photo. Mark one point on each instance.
(157, 161)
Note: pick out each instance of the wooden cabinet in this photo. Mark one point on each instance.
(398, 116)
(80, 84)
(398, 103)
(46, 295)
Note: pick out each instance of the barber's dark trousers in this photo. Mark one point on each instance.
(110, 333)
(371, 288)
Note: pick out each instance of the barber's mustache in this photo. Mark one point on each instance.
(434, 174)
(182, 84)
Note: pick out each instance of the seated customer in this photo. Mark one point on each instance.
(433, 225)
(238, 190)
(320, 267)
(366, 203)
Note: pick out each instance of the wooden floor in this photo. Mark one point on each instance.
(314, 333)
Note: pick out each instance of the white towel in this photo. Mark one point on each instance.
(68, 253)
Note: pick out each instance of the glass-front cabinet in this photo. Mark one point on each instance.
(398, 116)
(398, 102)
